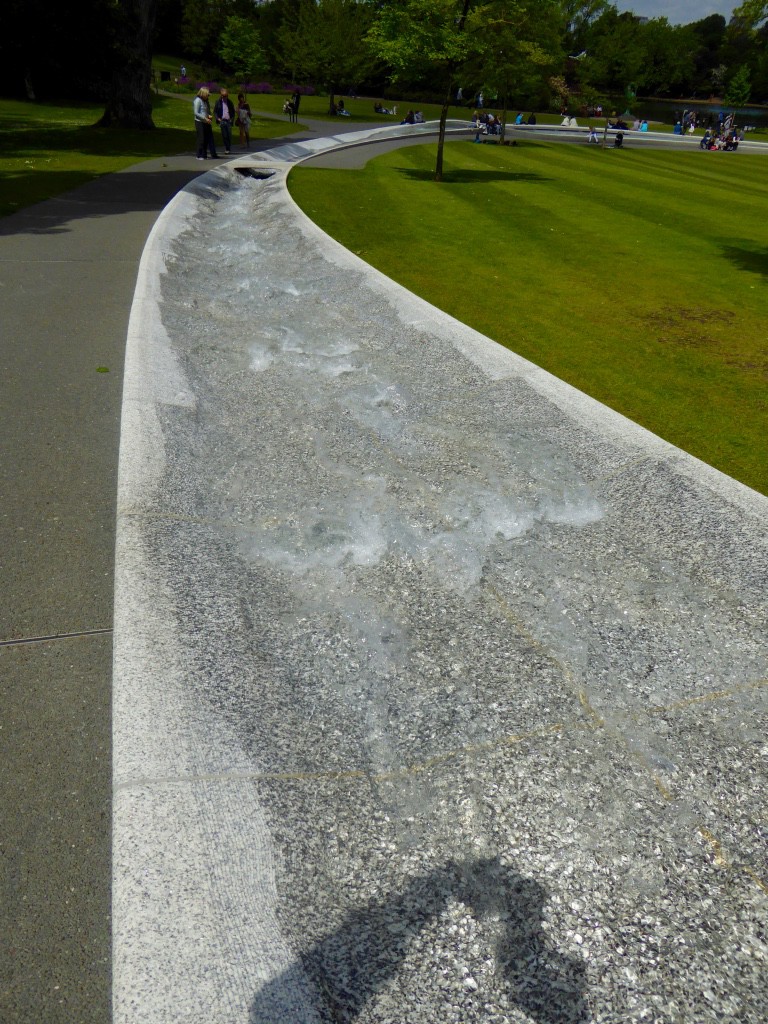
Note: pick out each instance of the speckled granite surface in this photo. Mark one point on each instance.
(440, 690)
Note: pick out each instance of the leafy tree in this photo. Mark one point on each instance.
(201, 26)
(623, 50)
(559, 91)
(203, 22)
(710, 35)
(579, 15)
(414, 35)
(55, 49)
(739, 48)
(325, 41)
(760, 74)
(240, 48)
(270, 18)
(668, 64)
(751, 13)
(518, 44)
(717, 75)
(615, 54)
(170, 14)
(499, 43)
(739, 88)
(129, 103)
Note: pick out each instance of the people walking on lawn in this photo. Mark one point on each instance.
(224, 112)
(203, 129)
(244, 120)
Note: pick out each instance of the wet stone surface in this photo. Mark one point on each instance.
(500, 681)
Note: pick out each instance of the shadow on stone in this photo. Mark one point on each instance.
(356, 961)
(254, 172)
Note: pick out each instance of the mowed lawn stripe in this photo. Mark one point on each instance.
(639, 277)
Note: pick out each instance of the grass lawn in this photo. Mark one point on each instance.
(46, 149)
(639, 276)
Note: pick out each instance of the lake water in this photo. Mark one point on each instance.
(664, 110)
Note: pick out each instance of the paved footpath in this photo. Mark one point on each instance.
(68, 274)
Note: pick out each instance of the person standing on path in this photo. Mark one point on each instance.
(244, 121)
(295, 101)
(203, 127)
(224, 112)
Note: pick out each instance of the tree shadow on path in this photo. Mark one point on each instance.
(351, 965)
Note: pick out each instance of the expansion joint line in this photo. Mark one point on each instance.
(21, 641)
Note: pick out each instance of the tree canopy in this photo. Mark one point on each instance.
(509, 48)
(240, 48)
(326, 41)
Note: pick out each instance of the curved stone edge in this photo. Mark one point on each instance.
(179, 913)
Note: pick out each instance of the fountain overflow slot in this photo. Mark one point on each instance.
(363, 553)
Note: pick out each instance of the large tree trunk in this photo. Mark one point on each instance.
(130, 97)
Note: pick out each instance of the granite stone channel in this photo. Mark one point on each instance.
(440, 689)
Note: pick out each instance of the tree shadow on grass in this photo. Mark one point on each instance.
(754, 260)
(343, 971)
(465, 176)
(41, 141)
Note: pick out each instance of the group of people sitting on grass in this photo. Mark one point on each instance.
(726, 142)
(337, 109)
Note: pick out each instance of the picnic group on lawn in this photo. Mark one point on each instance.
(226, 117)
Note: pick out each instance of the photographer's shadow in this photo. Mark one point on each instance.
(338, 975)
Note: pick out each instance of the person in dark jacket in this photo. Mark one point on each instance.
(224, 112)
(295, 101)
